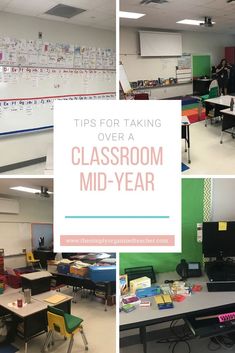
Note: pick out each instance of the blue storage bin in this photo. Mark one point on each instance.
(102, 273)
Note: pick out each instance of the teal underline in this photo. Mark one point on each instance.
(117, 217)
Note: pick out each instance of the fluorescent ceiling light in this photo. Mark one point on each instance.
(26, 189)
(132, 15)
(192, 22)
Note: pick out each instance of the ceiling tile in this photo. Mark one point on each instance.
(167, 14)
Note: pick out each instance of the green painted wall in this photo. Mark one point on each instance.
(192, 213)
(201, 65)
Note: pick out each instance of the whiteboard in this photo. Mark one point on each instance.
(27, 94)
(160, 43)
(14, 237)
(124, 82)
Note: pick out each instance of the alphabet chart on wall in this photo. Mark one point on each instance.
(34, 73)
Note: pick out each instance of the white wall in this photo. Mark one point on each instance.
(20, 148)
(28, 27)
(138, 68)
(31, 211)
(223, 199)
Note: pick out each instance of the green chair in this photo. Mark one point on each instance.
(66, 325)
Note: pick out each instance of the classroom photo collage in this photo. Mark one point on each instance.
(117, 301)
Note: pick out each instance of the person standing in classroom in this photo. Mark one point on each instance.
(222, 72)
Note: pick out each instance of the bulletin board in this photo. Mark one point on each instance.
(201, 65)
(192, 213)
(35, 73)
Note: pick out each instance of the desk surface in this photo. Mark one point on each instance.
(41, 297)
(199, 301)
(228, 111)
(29, 309)
(36, 275)
(222, 100)
(185, 120)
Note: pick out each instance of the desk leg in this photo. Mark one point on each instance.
(143, 339)
(221, 137)
(188, 140)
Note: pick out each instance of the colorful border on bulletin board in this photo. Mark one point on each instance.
(207, 200)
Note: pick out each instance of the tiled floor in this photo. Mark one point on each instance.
(208, 156)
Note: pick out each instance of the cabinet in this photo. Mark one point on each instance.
(230, 54)
(170, 91)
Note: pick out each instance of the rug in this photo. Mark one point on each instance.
(184, 167)
(190, 109)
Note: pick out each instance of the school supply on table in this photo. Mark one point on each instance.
(139, 283)
(55, 299)
(145, 303)
(148, 292)
(164, 301)
(131, 299)
(127, 308)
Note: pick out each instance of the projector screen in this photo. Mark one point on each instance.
(160, 43)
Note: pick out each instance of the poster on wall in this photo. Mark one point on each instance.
(113, 176)
(42, 236)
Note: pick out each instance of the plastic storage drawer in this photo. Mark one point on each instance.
(102, 273)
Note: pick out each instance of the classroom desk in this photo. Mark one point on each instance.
(185, 134)
(198, 303)
(64, 304)
(32, 318)
(217, 104)
(228, 122)
(109, 287)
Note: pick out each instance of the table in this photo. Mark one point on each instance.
(185, 134)
(64, 304)
(198, 303)
(217, 104)
(38, 282)
(32, 318)
(109, 287)
(228, 122)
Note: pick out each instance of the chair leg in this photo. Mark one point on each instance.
(40, 265)
(84, 339)
(47, 341)
(70, 344)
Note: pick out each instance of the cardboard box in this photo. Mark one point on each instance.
(82, 271)
(139, 283)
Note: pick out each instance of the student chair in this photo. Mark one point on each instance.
(66, 325)
(213, 93)
(31, 260)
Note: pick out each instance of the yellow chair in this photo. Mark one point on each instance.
(31, 260)
(66, 325)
